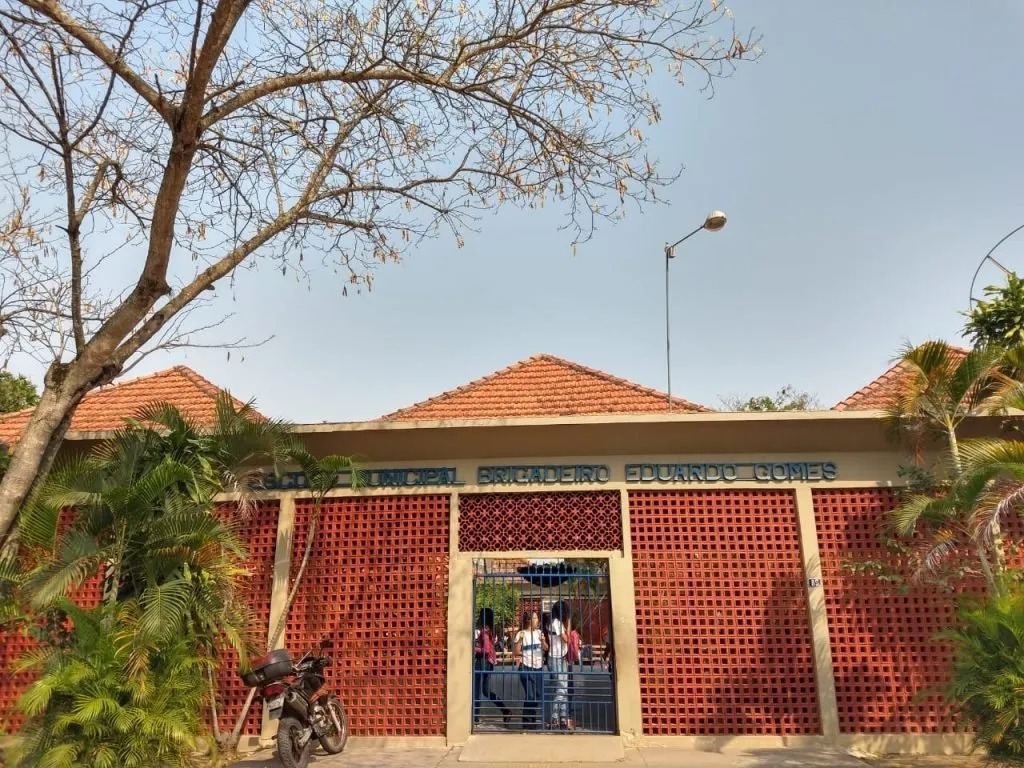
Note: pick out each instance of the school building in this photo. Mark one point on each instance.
(728, 541)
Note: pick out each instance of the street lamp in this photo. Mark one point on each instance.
(714, 222)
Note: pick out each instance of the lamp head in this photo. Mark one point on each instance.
(715, 221)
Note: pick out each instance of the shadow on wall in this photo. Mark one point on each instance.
(773, 692)
(377, 586)
(890, 668)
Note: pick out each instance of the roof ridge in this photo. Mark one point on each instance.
(208, 387)
(603, 376)
(610, 377)
(844, 404)
(197, 380)
(461, 388)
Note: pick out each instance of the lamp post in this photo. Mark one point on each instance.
(714, 222)
(988, 257)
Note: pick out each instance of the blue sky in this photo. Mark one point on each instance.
(867, 162)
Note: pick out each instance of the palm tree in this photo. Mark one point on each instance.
(159, 547)
(144, 506)
(146, 516)
(991, 485)
(940, 387)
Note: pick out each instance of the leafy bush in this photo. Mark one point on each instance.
(988, 671)
(999, 319)
(88, 708)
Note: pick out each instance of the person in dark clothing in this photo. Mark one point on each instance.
(484, 659)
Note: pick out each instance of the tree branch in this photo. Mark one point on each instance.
(56, 13)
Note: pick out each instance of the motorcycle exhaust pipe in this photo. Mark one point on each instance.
(298, 704)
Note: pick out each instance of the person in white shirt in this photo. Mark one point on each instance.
(528, 655)
(558, 666)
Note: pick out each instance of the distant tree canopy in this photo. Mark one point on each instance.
(786, 399)
(16, 392)
(999, 319)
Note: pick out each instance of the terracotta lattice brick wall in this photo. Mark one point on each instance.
(722, 619)
(884, 649)
(377, 585)
(15, 644)
(258, 531)
(507, 522)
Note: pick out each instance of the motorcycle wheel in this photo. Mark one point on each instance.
(288, 750)
(334, 741)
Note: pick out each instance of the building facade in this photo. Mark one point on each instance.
(730, 541)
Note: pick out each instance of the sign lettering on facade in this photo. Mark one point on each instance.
(390, 477)
(759, 471)
(575, 474)
(544, 474)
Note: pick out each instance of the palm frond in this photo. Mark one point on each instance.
(1000, 456)
(68, 485)
(905, 518)
(1002, 499)
(977, 379)
(167, 416)
(60, 756)
(941, 386)
(164, 609)
(160, 480)
(322, 474)
(936, 551)
(78, 559)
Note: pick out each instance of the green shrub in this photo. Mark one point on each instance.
(86, 709)
(988, 671)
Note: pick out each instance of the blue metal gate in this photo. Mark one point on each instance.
(542, 650)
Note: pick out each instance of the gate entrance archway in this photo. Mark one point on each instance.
(542, 647)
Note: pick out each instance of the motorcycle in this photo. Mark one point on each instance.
(305, 718)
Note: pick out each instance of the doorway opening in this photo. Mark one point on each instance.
(542, 646)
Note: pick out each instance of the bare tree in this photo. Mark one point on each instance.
(154, 146)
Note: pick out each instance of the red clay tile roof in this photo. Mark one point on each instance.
(543, 385)
(880, 393)
(107, 407)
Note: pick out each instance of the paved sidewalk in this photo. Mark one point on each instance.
(358, 755)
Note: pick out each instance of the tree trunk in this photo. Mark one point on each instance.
(986, 569)
(998, 551)
(954, 451)
(236, 733)
(38, 444)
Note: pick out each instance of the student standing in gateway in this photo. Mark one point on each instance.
(528, 654)
(484, 659)
(558, 665)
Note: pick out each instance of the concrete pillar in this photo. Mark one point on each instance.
(824, 672)
(627, 666)
(460, 629)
